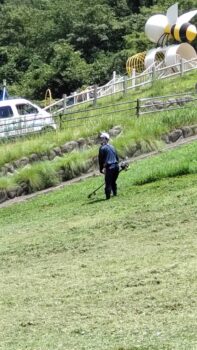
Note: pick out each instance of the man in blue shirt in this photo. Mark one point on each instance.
(108, 164)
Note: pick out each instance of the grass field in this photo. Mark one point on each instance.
(81, 274)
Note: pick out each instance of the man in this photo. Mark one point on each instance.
(108, 164)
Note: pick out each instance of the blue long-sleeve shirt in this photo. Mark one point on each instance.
(108, 157)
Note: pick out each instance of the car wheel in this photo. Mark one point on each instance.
(47, 128)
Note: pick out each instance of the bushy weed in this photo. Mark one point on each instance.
(31, 178)
(7, 182)
(171, 164)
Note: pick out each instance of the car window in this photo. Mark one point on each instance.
(25, 108)
(6, 112)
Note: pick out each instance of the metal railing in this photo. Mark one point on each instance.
(166, 103)
(128, 109)
(121, 85)
(88, 117)
(82, 117)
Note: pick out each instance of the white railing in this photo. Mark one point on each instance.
(120, 84)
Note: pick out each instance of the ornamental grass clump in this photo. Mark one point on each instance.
(7, 183)
(47, 173)
(74, 164)
(31, 178)
(37, 177)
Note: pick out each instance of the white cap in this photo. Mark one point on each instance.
(104, 135)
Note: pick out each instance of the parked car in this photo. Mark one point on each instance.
(19, 117)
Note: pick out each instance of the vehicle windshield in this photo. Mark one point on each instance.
(6, 112)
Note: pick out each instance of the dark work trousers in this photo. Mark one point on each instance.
(111, 176)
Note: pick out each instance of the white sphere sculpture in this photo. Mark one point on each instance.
(155, 26)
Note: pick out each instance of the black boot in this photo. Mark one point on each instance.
(107, 193)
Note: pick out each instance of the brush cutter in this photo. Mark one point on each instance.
(122, 166)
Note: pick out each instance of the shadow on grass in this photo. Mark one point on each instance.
(92, 201)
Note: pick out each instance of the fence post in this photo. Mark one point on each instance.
(4, 89)
(138, 108)
(64, 103)
(133, 76)
(181, 67)
(153, 74)
(88, 94)
(60, 121)
(75, 97)
(95, 95)
(64, 110)
(114, 82)
(125, 85)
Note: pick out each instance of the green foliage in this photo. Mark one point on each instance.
(136, 42)
(7, 183)
(74, 164)
(102, 68)
(28, 176)
(36, 80)
(64, 45)
(47, 173)
(37, 177)
(70, 70)
(98, 30)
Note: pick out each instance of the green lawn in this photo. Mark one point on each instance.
(101, 275)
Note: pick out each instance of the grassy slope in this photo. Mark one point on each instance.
(118, 274)
(151, 126)
(145, 131)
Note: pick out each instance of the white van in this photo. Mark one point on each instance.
(19, 117)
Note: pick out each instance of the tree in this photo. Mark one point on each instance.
(67, 44)
(70, 71)
(97, 30)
